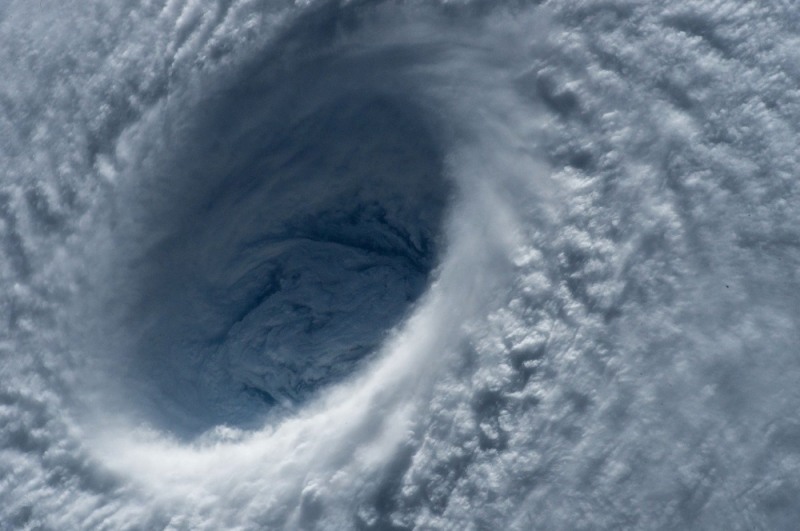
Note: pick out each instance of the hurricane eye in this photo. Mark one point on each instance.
(284, 269)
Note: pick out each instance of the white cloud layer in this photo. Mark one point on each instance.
(381, 265)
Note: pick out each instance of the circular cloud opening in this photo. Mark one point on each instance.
(277, 255)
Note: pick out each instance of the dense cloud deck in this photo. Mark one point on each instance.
(399, 265)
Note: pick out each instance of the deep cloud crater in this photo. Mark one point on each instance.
(295, 239)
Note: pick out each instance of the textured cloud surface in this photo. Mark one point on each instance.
(398, 265)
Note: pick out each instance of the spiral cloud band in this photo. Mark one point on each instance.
(399, 265)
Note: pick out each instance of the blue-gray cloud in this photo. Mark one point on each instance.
(392, 266)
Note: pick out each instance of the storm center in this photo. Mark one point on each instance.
(287, 272)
